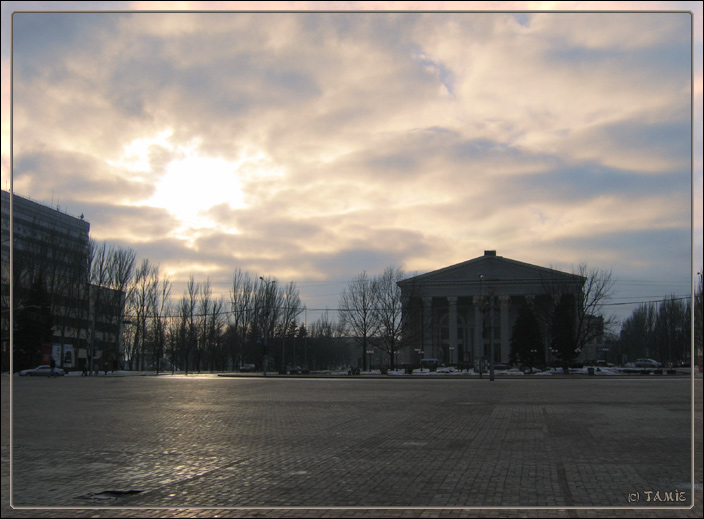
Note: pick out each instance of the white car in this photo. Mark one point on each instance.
(41, 371)
(647, 363)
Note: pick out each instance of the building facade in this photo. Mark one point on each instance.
(54, 247)
(461, 313)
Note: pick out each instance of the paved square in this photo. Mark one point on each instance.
(197, 441)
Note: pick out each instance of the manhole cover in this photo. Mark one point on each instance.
(110, 495)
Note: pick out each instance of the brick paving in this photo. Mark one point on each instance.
(208, 446)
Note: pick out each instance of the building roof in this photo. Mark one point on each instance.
(492, 268)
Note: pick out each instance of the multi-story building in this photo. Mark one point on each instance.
(458, 311)
(53, 248)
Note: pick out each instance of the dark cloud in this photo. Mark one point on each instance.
(45, 39)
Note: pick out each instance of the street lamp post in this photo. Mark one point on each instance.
(491, 325)
(491, 336)
(481, 304)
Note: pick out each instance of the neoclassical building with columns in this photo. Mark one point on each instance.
(450, 311)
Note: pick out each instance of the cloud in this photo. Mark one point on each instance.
(317, 145)
(138, 226)
(80, 177)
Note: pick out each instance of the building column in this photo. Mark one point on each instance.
(427, 328)
(452, 324)
(504, 303)
(478, 328)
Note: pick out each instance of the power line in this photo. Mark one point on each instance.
(340, 310)
(687, 298)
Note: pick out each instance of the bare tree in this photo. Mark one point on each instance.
(99, 278)
(291, 308)
(188, 308)
(142, 300)
(638, 331)
(122, 263)
(241, 305)
(160, 308)
(577, 313)
(357, 312)
(267, 307)
(673, 331)
(204, 309)
(387, 311)
(112, 269)
(218, 320)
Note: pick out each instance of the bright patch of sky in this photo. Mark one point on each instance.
(316, 145)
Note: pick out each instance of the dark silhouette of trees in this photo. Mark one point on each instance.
(241, 308)
(638, 332)
(673, 331)
(659, 331)
(33, 325)
(326, 346)
(564, 331)
(111, 270)
(387, 311)
(575, 311)
(527, 340)
(291, 308)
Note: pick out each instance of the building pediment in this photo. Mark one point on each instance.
(489, 269)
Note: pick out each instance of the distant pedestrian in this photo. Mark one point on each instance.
(52, 365)
(105, 368)
(85, 369)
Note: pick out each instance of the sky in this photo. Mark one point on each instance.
(312, 141)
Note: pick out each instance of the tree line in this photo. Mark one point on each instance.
(260, 321)
(98, 297)
(661, 331)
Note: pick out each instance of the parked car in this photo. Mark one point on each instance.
(647, 363)
(41, 371)
(247, 367)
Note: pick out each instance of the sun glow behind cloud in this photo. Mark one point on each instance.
(318, 145)
(135, 156)
(188, 183)
(193, 185)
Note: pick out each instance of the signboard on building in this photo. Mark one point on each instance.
(68, 360)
